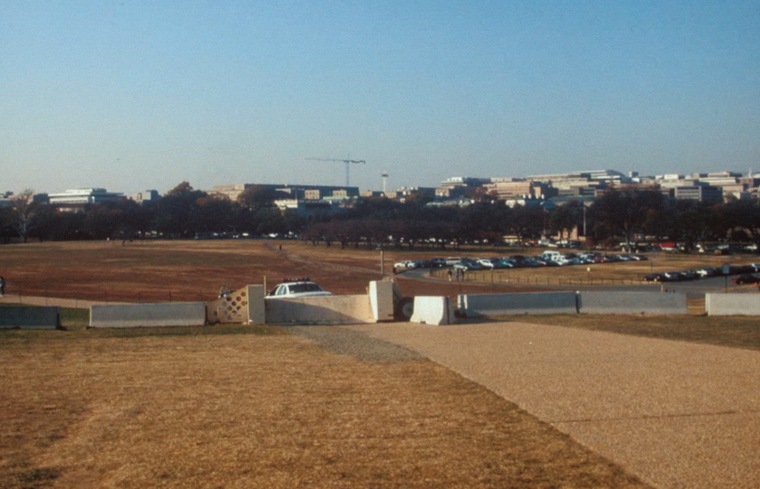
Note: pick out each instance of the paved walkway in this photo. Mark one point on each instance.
(677, 414)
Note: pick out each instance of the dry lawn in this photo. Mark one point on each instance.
(733, 331)
(195, 270)
(252, 410)
(183, 270)
(185, 408)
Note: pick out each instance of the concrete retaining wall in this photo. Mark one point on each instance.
(732, 304)
(148, 315)
(381, 300)
(623, 302)
(433, 310)
(485, 305)
(586, 302)
(329, 309)
(256, 305)
(25, 317)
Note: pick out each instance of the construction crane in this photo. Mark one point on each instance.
(347, 162)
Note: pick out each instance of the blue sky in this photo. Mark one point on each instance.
(133, 95)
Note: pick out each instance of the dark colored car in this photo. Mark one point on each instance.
(746, 278)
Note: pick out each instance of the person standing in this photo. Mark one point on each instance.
(2, 286)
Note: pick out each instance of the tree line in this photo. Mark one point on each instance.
(619, 215)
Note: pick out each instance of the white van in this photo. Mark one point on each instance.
(553, 256)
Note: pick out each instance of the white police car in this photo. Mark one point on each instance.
(300, 287)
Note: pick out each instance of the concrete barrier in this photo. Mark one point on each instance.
(148, 315)
(489, 305)
(26, 317)
(634, 302)
(243, 306)
(329, 309)
(433, 310)
(732, 304)
(249, 306)
(381, 300)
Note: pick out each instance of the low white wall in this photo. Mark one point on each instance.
(485, 305)
(732, 304)
(634, 302)
(256, 306)
(148, 315)
(329, 309)
(381, 300)
(433, 310)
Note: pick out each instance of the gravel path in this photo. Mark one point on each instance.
(678, 415)
(355, 343)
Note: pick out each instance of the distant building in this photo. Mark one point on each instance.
(304, 207)
(146, 197)
(456, 187)
(77, 199)
(519, 188)
(582, 178)
(406, 192)
(307, 192)
(512, 188)
(701, 193)
(231, 191)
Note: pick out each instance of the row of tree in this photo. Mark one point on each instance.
(618, 215)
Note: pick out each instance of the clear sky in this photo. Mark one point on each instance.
(132, 95)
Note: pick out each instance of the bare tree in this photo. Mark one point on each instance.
(23, 213)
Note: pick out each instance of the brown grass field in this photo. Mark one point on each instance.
(184, 270)
(260, 407)
(263, 410)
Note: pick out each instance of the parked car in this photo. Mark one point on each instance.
(746, 278)
(551, 256)
(672, 277)
(296, 288)
(404, 265)
(708, 272)
(653, 277)
(504, 263)
(468, 264)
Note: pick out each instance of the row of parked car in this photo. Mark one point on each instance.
(546, 259)
(743, 274)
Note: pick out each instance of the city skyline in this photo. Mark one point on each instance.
(596, 175)
(135, 95)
